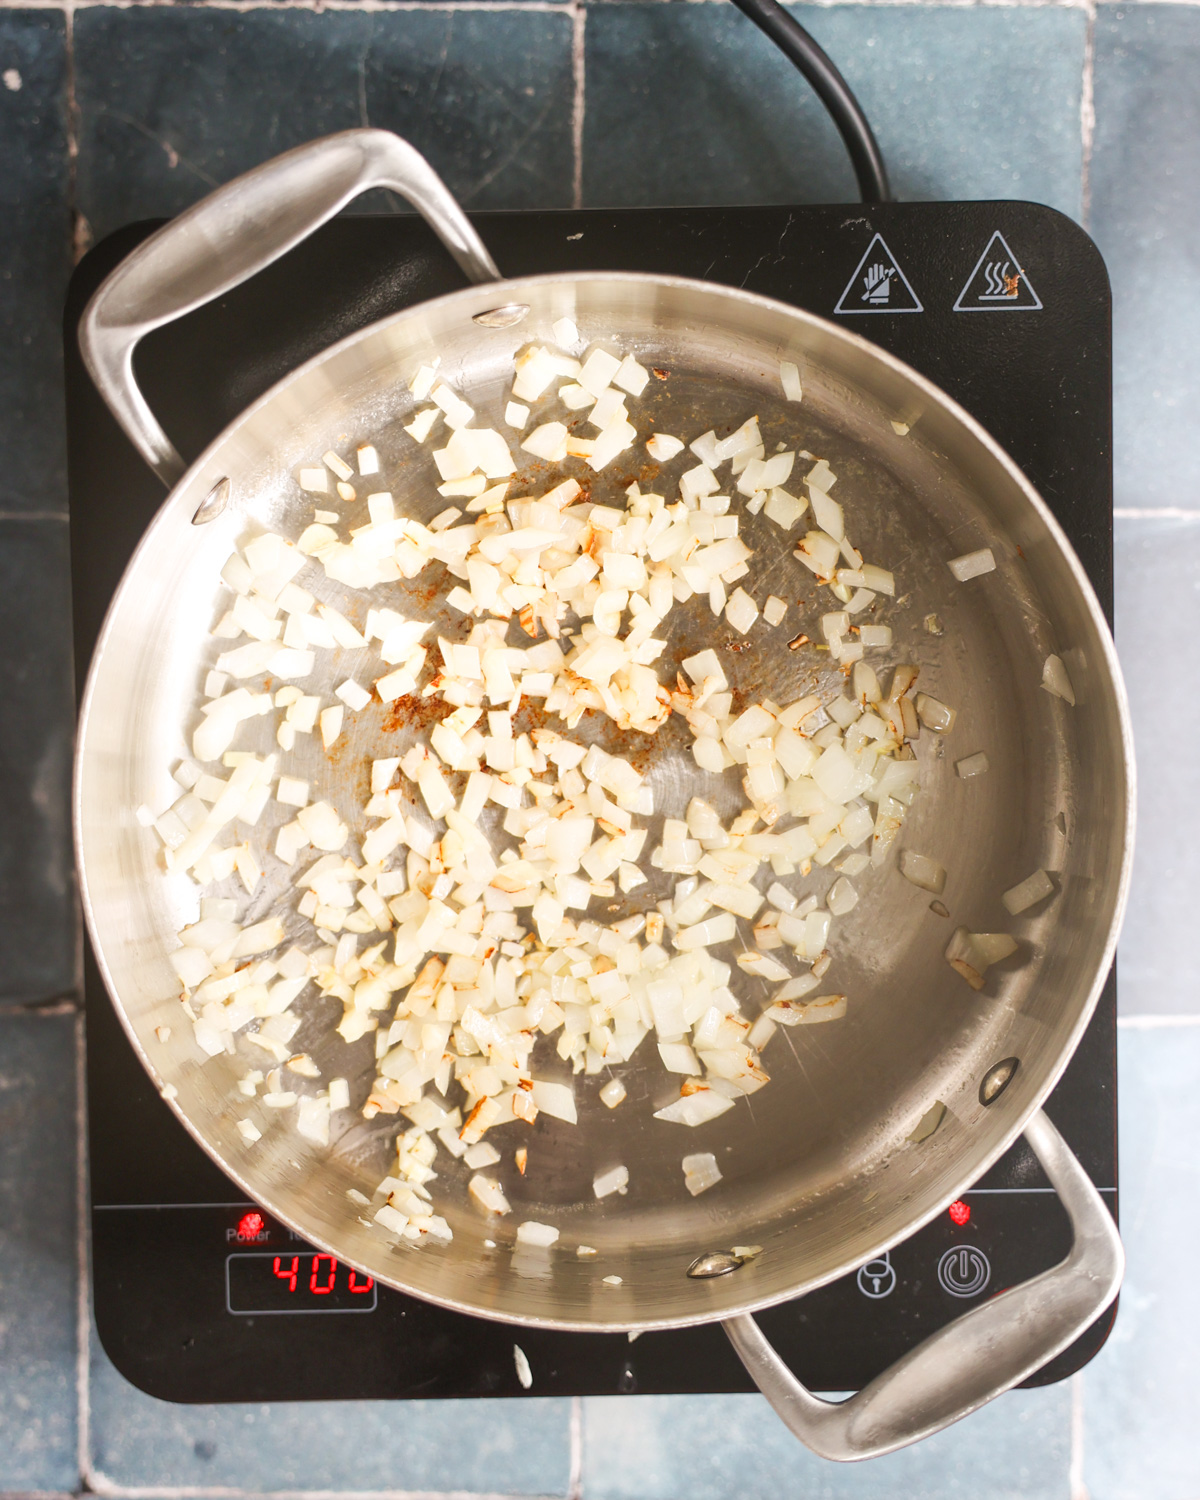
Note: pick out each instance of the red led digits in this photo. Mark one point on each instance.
(251, 1225)
(290, 1274)
(313, 1280)
(960, 1212)
(364, 1285)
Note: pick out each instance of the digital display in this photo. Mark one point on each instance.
(296, 1281)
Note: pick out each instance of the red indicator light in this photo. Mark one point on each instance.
(960, 1212)
(251, 1225)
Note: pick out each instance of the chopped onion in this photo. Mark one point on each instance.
(700, 1172)
(972, 765)
(461, 943)
(1055, 680)
(971, 954)
(922, 871)
(533, 1233)
(663, 449)
(1028, 892)
(614, 1180)
(972, 564)
(789, 375)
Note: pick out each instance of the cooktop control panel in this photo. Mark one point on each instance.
(200, 1296)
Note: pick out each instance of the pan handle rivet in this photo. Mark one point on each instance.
(997, 1079)
(507, 316)
(715, 1263)
(213, 503)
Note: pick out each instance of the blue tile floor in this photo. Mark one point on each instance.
(111, 113)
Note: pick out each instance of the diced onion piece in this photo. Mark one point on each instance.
(842, 897)
(422, 424)
(488, 1193)
(928, 1122)
(352, 695)
(549, 441)
(935, 715)
(598, 371)
(556, 1099)
(613, 1093)
(1028, 892)
(516, 415)
(789, 376)
(972, 564)
(521, 1363)
(695, 1108)
(533, 1233)
(741, 611)
(331, 725)
(922, 871)
(1055, 680)
(972, 765)
(700, 1172)
(971, 954)
(662, 448)
(631, 376)
(774, 610)
(566, 334)
(614, 1180)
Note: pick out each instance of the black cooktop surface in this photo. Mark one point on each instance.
(198, 1297)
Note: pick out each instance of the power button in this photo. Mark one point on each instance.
(964, 1271)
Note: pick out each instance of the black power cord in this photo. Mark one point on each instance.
(831, 88)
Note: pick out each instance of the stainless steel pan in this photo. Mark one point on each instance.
(819, 1169)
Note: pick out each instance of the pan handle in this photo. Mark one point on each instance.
(238, 231)
(972, 1360)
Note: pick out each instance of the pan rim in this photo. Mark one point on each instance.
(494, 293)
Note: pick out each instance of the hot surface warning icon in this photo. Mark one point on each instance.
(998, 283)
(878, 285)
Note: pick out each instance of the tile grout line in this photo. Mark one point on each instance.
(101, 1485)
(1158, 1023)
(575, 1473)
(1154, 513)
(83, 1398)
(559, 7)
(1087, 113)
(537, 7)
(578, 71)
(1077, 1487)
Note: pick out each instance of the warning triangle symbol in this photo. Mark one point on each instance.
(878, 285)
(998, 283)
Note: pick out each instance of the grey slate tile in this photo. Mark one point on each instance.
(736, 1448)
(1158, 615)
(465, 1447)
(691, 104)
(34, 258)
(37, 892)
(1141, 1440)
(37, 1253)
(1146, 219)
(174, 101)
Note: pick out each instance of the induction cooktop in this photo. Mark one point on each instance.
(201, 1296)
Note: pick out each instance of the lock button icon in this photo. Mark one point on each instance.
(877, 1279)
